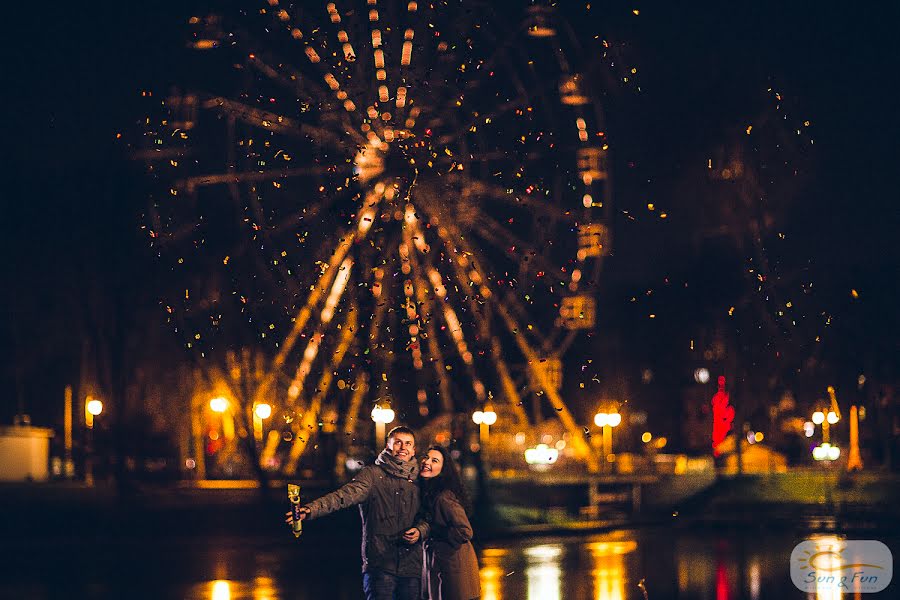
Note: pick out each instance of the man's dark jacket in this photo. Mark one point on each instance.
(388, 500)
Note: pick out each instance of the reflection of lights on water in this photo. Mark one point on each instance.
(264, 588)
(608, 571)
(261, 588)
(490, 583)
(755, 579)
(544, 552)
(829, 562)
(491, 573)
(221, 590)
(543, 572)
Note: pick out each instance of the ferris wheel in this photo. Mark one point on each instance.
(411, 200)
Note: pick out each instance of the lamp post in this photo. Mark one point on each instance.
(607, 421)
(218, 404)
(484, 419)
(92, 409)
(826, 420)
(382, 414)
(261, 412)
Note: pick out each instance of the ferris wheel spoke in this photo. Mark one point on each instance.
(483, 190)
(190, 184)
(308, 89)
(431, 335)
(479, 314)
(521, 101)
(269, 121)
(560, 347)
(501, 237)
(454, 325)
(307, 426)
(304, 215)
(288, 278)
(359, 390)
(348, 237)
(293, 82)
(533, 359)
(315, 341)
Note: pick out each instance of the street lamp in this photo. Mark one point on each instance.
(92, 408)
(382, 414)
(218, 404)
(826, 452)
(484, 419)
(607, 421)
(261, 412)
(541, 455)
(826, 419)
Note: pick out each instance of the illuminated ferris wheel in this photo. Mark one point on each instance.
(401, 195)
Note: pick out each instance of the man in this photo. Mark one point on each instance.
(388, 500)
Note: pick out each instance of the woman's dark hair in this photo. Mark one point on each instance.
(449, 479)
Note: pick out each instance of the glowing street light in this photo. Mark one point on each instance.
(218, 404)
(826, 452)
(382, 414)
(818, 417)
(261, 412)
(607, 421)
(94, 407)
(832, 417)
(542, 454)
(484, 419)
(701, 375)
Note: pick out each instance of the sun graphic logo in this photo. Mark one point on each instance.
(831, 564)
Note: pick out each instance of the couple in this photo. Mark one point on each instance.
(415, 532)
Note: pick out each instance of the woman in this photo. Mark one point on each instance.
(451, 567)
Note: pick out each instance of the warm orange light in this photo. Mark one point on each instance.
(94, 407)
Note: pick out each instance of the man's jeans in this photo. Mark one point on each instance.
(379, 585)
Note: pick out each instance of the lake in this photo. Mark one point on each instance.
(674, 563)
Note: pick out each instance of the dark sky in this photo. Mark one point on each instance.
(75, 73)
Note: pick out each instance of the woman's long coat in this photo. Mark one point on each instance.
(451, 567)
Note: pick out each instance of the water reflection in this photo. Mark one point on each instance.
(543, 571)
(492, 573)
(676, 564)
(598, 567)
(826, 560)
(608, 572)
(262, 587)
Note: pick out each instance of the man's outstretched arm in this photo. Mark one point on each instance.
(351, 493)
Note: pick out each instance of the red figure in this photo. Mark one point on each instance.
(723, 416)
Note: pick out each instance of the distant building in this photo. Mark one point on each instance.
(24, 453)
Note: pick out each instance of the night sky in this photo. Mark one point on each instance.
(72, 214)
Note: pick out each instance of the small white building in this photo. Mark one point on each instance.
(24, 453)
